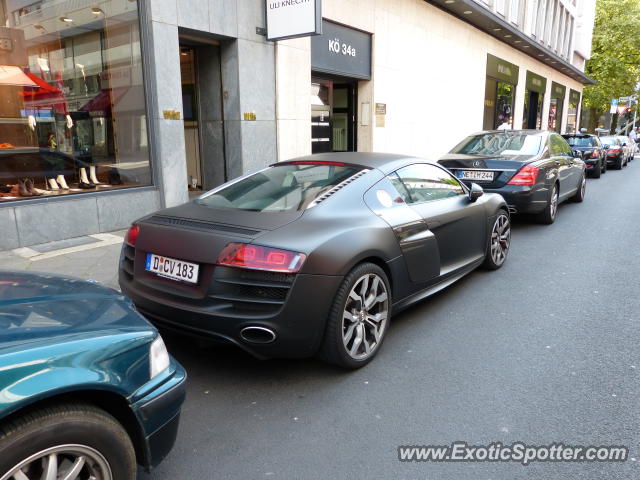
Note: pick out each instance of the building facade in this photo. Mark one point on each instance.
(111, 109)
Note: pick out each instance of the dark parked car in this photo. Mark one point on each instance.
(592, 151)
(313, 255)
(533, 170)
(616, 152)
(87, 388)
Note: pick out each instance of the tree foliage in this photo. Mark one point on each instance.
(615, 58)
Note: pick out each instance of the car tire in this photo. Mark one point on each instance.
(604, 166)
(350, 327)
(548, 215)
(499, 242)
(67, 433)
(597, 171)
(619, 163)
(582, 189)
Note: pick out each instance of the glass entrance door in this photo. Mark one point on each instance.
(190, 113)
(332, 116)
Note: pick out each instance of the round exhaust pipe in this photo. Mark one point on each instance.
(257, 334)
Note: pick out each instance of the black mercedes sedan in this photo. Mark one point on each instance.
(312, 256)
(533, 170)
(592, 152)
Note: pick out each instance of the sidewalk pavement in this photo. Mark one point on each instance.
(92, 257)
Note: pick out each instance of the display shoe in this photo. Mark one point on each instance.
(5, 188)
(85, 186)
(28, 183)
(62, 182)
(53, 184)
(22, 189)
(93, 176)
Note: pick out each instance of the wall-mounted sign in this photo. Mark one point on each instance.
(557, 90)
(293, 18)
(502, 70)
(381, 108)
(342, 51)
(250, 116)
(13, 50)
(171, 114)
(536, 83)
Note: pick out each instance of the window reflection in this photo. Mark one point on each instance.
(72, 109)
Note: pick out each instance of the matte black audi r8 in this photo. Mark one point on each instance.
(533, 170)
(312, 256)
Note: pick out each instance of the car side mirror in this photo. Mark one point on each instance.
(475, 192)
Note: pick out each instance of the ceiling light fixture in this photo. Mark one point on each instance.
(497, 29)
(450, 1)
(508, 36)
(467, 12)
(66, 19)
(96, 11)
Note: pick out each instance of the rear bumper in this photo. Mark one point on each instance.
(523, 199)
(298, 323)
(612, 159)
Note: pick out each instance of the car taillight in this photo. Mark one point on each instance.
(595, 154)
(526, 176)
(256, 257)
(132, 235)
(614, 150)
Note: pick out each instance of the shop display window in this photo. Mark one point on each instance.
(72, 105)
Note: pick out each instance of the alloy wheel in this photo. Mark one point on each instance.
(554, 202)
(63, 462)
(500, 239)
(365, 316)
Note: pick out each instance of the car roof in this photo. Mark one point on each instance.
(386, 162)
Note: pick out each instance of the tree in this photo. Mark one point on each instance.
(615, 58)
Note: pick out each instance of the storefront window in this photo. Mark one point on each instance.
(555, 107)
(500, 93)
(72, 108)
(572, 111)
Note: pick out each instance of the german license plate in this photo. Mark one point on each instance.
(478, 175)
(172, 268)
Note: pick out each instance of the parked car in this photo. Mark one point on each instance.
(616, 153)
(87, 388)
(313, 255)
(533, 170)
(592, 152)
(628, 145)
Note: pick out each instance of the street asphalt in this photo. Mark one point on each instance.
(544, 350)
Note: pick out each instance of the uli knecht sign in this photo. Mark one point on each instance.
(293, 18)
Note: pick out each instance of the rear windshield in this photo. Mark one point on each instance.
(581, 141)
(504, 143)
(280, 188)
(609, 140)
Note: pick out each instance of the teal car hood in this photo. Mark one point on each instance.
(51, 308)
(62, 334)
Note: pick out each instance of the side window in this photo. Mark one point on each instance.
(555, 145)
(399, 186)
(425, 182)
(566, 148)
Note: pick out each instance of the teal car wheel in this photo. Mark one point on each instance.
(71, 442)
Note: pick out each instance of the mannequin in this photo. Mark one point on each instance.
(53, 184)
(92, 175)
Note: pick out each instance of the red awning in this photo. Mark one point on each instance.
(102, 101)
